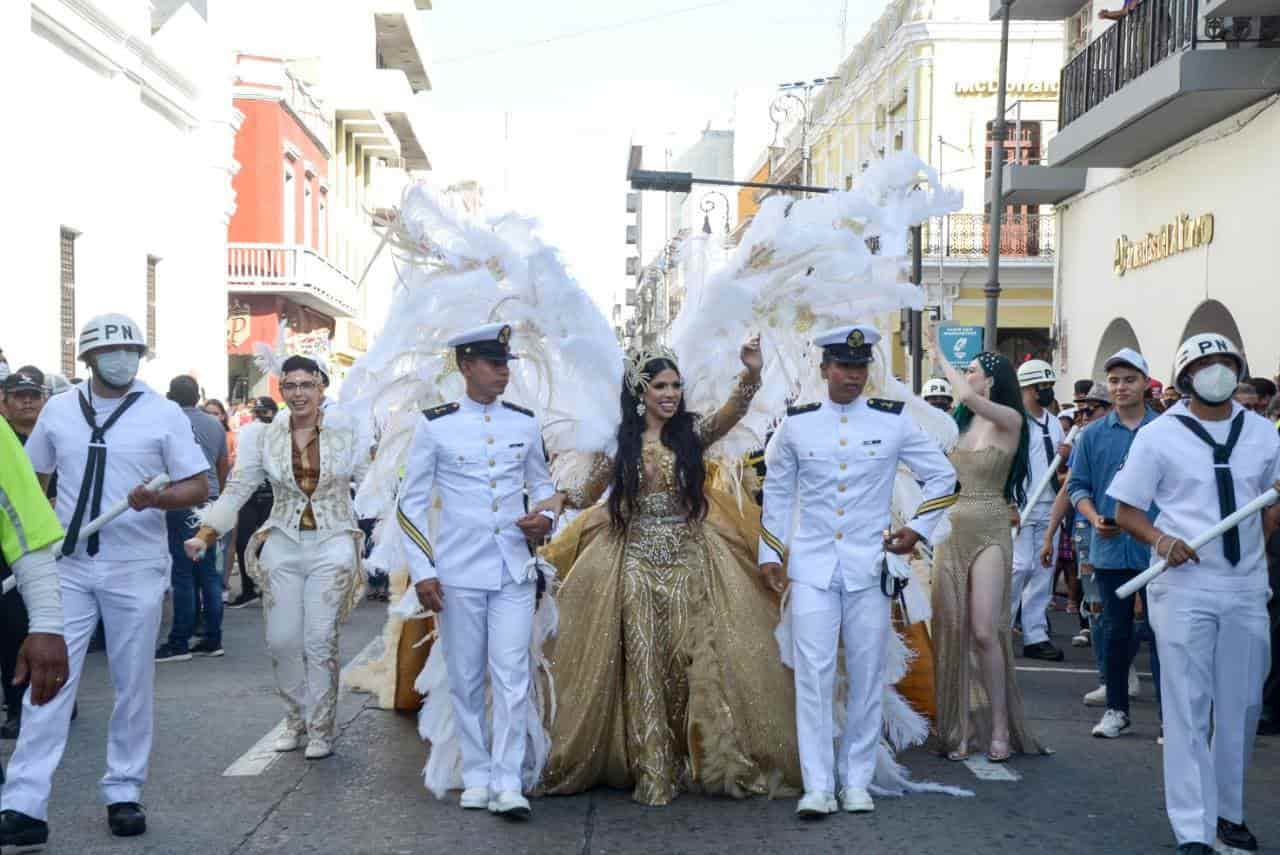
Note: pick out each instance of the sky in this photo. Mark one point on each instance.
(539, 101)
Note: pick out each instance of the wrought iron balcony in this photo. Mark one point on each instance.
(1162, 73)
(968, 236)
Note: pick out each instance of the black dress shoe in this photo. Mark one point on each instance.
(18, 829)
(1195, 849)
(1236, 835)
(1044, 651)
(126, 819)
(11, 727)
(1269, 726)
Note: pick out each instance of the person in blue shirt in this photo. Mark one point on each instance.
(1116, 557)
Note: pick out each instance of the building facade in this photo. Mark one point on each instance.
(923, 80)
(326, 147)
(1169, 120)
(134, 108)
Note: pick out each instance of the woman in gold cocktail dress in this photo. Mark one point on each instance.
(978, 702)
(666, 672)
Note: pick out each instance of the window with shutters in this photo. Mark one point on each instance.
(67, 318)
(152, 261)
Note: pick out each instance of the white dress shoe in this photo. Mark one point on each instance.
(814, 805)
(474, 798)
(1135, 685)
(856, 800)
(510, 805)
(287, 741)
(318, 749)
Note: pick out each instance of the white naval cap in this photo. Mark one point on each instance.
(489, 341)
(850, 344)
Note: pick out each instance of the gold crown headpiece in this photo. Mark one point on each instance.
(637, 358)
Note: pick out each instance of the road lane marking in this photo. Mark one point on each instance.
(260, 757)
(1094, 671)
(263, 755)
(984, 770)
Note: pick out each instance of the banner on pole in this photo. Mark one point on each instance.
(961, 343)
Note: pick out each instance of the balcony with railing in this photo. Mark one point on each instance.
(968, 236)
(297, 272)
(1161, 74)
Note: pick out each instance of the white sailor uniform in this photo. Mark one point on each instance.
(1210, 618)
(1033, 581)
(120, 575)
(839, 461)
(480, 459)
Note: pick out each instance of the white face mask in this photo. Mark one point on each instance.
(118, 368)
(1215, 384)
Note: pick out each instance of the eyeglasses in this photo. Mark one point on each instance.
(304, 386)
(1085, 411)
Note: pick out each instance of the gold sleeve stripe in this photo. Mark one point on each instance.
(937, 504)
(771, 541)
(415, 535)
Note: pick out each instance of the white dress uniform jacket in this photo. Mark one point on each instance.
(1038, 462)
(839, 461)
(479, 459)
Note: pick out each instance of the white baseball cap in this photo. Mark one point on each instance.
(1128, 356)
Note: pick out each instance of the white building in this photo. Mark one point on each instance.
(1161, 171)
(123, 203)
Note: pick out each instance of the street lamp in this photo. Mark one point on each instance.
(780, 110)
(998, 132)
(707, 204)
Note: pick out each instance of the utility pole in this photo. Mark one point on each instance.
(917, 317)
(998, 132)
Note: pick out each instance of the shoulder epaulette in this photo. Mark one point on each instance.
(884, 405)
(442, 410)
(801, 409)
(521, 410)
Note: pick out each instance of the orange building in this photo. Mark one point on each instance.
(278, 258)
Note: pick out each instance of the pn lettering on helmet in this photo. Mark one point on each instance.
(1213, 344)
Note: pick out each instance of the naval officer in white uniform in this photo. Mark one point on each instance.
(481, 455)
(105, 439)
(838, 459)
(1033, 580)
(1198, 463)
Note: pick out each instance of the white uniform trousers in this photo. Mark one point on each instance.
(1032, 581)
(818, 618)
(129, 597)
(489, 629)
(1215, 651)
(306, 583)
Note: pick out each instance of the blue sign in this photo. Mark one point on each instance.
(960, 343)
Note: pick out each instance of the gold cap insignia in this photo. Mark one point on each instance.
(856, 339)
(504, 335)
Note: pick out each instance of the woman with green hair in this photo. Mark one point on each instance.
(978, 701)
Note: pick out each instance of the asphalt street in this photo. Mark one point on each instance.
(1092, 796)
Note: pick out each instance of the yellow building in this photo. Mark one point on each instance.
(922, 80)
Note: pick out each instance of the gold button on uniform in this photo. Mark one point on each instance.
(495, 506)
(839, 512)
(493, 483)
(841, 488)
(487, 419)
(839, 535)
(844, 420)
(491, 463)
(843, 466)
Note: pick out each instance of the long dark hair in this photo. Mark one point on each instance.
(224, 418)
(1004, 390)
(678, 434)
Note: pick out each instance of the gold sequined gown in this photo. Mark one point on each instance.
(979, 520)
(667, 674)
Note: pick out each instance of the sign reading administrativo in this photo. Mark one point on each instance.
(1181, 235)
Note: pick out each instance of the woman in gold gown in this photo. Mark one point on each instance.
(666, 672)
(977, 694)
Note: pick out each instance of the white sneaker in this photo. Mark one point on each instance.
(814, 805)
(287, 741)
(1096, 698)
(1135, 686)
(1114, 722)
(474, 798)
(856, 800)
(1081, 638)
(318, 749)
(510, 805)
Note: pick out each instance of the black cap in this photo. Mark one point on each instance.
(22, 381)
(265, 403)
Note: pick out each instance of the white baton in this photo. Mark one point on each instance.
(154, 485)
(1265, 500)
(1034, 495)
